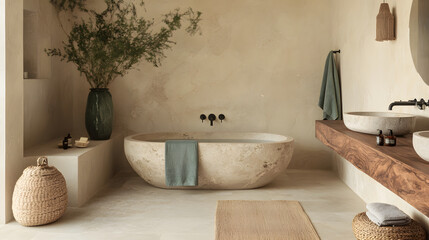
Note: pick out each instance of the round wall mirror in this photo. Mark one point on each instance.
(419, 37)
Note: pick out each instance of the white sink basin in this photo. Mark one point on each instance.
(421, 144)
(369, 122)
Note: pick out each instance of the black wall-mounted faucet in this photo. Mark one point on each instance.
(203, 117)
(212, 117)
(221, 117)
(420, 104)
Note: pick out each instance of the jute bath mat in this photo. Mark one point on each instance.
(263, 220)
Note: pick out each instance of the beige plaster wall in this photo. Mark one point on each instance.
(258, 62)
(48, 96)
(38, 25)
(375, 74)
(2, 109)
(12, 134)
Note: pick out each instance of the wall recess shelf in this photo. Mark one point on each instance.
(398, 168)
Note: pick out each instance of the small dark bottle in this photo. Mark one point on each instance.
(390, 140)
(380, 138)
(69, 139)
(65, 143)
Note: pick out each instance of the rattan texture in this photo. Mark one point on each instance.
(364, 229)
(40, 195)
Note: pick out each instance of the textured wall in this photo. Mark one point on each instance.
(373, 75)
(2, 110)
(11, 110)
(48, 96)
(258, 62)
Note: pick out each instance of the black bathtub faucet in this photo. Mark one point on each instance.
(212, 117)
(221, 117)
(420, 104)
(203, 117)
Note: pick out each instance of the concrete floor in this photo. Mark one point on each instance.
(129, 208)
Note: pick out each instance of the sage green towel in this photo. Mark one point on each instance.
(330, 95)
(181, 163)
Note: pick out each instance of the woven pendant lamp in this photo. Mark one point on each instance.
(385, 24)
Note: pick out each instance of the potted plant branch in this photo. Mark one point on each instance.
(106, 45)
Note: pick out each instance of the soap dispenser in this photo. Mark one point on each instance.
(69, 139)
(380, 138)
(65, 143)
(390, 140)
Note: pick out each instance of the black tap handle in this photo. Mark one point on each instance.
(221, 117)
(203, 117)
(212, 117)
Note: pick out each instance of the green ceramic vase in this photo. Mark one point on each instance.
(99, 114)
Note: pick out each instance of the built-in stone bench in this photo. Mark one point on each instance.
(86, 170)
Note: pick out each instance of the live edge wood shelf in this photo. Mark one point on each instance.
(398, 168)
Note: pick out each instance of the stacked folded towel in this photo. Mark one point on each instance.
(384, 214)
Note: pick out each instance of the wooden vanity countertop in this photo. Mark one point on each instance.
(397, 168)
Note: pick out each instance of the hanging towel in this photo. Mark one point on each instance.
(330, 96)
(181, 163)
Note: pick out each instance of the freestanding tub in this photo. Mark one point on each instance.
(226, 160)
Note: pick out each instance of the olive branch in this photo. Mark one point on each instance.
(107, 44)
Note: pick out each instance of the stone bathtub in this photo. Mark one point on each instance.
(226, 160)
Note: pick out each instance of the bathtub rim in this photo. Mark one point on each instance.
(287, 139)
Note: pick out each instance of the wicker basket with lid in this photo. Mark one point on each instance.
(40, 195)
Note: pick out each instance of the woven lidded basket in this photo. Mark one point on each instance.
(40, 195)
(364, 229)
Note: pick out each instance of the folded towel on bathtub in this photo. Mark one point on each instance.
(181, 163)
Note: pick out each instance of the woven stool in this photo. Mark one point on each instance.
(364, 229)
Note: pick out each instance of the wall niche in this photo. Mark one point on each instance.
(36, 38)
